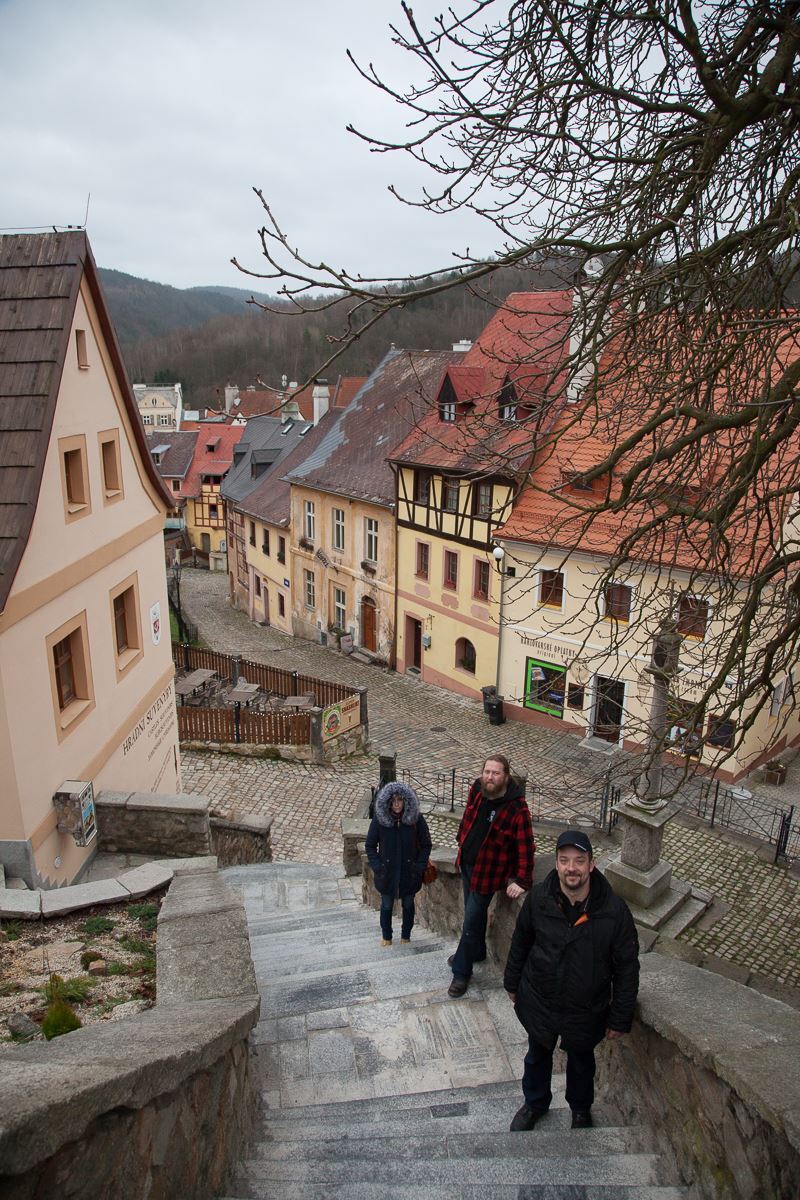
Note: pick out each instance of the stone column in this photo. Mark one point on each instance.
(641, 876)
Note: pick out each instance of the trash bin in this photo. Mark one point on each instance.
(494, 707)
(488, 694)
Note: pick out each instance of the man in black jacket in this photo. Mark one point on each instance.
(573, 973)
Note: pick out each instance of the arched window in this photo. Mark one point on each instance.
(465, 655)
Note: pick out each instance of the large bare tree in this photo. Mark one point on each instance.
(655, 148)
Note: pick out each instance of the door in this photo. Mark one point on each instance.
(608, 708)
(369, 639)
(413, 643)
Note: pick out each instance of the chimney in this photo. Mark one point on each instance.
(321, 398)
(231, 396)
(463, 345)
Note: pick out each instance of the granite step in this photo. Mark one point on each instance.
(334, 954)
(431, 1102)
(432, 1191)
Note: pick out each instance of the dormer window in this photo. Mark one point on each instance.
(508, 402)
(447, 402)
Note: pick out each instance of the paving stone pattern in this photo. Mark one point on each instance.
(436, 730)
(374, 1085)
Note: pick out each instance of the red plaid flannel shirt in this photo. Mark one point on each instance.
(507, 854)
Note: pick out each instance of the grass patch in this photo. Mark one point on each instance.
(145, 914)
(8, 987)
(136, 945)
(71, 991)
(13, 930)
(117, 968)
(94, 925)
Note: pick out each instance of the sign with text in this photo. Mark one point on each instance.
(338, 718)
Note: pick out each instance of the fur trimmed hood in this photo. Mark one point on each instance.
(383, 798)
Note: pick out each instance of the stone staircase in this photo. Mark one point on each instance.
(375, 1085)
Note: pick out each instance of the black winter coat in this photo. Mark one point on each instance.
(398, 852)
(573, 981)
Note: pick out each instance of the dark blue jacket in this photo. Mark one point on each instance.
(398, 852)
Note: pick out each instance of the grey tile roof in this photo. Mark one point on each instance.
(266, 442)
(176, 451)
(351, 460)
(271, 498)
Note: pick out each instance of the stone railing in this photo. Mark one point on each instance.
(179, 826)
(710, 1064)
(154, 1105)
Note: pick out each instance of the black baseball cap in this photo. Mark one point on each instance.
(576, 838)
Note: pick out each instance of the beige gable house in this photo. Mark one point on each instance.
(86, 675)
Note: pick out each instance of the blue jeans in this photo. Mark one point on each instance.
(472, 947)
(539, 1071)
(387, 904)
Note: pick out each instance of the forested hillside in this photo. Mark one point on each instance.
(208, 337)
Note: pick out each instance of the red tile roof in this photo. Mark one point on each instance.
(525, 342)
(213, 454)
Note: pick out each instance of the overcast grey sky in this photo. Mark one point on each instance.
(169, 111)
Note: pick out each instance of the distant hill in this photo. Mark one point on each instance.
(207, 337)
(141, 308)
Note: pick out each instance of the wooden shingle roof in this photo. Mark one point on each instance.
(40, 277)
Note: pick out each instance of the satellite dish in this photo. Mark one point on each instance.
(593, 267)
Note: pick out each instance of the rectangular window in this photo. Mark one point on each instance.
(617, 598)
(450, 569)
(176, 485)
(450, 489)
(264, 540)
(310, 589)
(422, 486)
(721, 732)
(281, 605)
(147, 419)
(447, 410)
(213, 512)
(74, 476)
(164, 419)
(281, 549)
(337, 528)
(110, 466)
(371, 539)
(339, 608)
(692, 616)
(81, 350)
(257, 585)
(575, 695)
(126, 624)
(482, 500)
(252, 538)
(544, 687)
(481, 584)
(70, 673)
(309, 520)
(423, 560)
(551, 588)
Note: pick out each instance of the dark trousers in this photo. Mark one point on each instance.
(472, 946)
(387, 904)
(539, 1071)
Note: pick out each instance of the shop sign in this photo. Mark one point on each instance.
(338, 718)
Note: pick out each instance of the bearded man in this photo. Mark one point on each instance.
(495, 850)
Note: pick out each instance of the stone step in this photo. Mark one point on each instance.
(546, 1140)
(690, 911)
(431, 1102)
(567, 1168)
(427, 1191)
(335, 917)
(333, 954)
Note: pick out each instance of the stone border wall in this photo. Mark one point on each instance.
(179, 826)
(711, 1065)
(158, 1105)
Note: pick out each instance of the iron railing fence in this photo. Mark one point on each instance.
(732, 808)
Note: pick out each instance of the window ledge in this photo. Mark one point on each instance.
(128, 657)
(74, 509)
(75, 709)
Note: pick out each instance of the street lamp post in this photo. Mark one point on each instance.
(176, 575)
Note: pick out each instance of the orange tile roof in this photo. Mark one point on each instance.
(525, 342)
(213, 454)
(550, 512)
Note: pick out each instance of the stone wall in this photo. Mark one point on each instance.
(158, 825)
(237, 841)
(710, 1064)
(159, 1105)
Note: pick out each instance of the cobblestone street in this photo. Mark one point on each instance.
(436, 730)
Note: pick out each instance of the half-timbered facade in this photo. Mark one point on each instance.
(457, 475)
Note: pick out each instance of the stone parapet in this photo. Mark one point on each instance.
(159, 1104)
(153, 824)
(240, 840)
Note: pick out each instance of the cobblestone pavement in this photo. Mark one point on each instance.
(436, 730)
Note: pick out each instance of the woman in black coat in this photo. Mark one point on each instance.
(398, 847)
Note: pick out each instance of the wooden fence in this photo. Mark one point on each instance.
(271, 679)
(252, 728)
